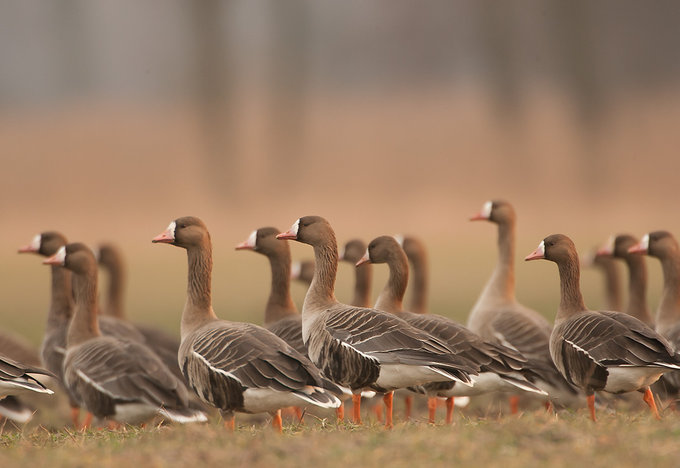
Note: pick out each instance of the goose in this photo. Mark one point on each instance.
(53, 348)
(606, 264)
(18, 349)
(601, 350)
(664, 246)
(281, 317)
(117, 379)
(17, 378)
(302, 271)
(235, 366)
(500, 367)
(110, 258)
(363, 277)
(364, 348)
(617, 248)
(498, 317)
(417, 256)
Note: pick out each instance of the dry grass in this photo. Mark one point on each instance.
(534, 438)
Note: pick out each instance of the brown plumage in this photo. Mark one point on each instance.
(235, 366)
(500, 367)
(600, 350)
(363, 348)
(165, 345)
(113, 378)
(497, 316)
(617, 248)
(281, 317)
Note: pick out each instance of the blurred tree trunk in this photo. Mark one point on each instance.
(215, 91)
(288, 85)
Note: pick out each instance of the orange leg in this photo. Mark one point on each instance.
(276, 421)
(378, 412)
(408, 401)
(356, 409)
(432, 408)
(649, 399)
(591, 407)
(230, 423)
(75, 416)
(388, 399)
(340, 412)
(514, 404)
(549, 407)
(87, 422)
(299, 413)
(449, 410)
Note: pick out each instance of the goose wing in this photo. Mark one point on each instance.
(289, 330)
(224, 359)
(105, 370)
(389, 339)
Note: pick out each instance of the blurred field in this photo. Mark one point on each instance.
(533, 439)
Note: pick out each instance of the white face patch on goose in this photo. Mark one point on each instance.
(295, 228)
(645, 242)
(171, 229)
(400, 240)
(541, 248)
(252, 239)
(35, 243)
(609, 246)
(486, 209)
(60, 256)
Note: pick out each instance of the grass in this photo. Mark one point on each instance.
(627, 437)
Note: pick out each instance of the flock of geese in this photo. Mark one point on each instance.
(122, 373)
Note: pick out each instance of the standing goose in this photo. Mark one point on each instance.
(497, 316)
(364, 348)
(417, 256)
(664, 246)
(17, 349)
(59, 315)
(281, 317)
(162, 343)
(363, 277)
(230, 365)
(612, 278)
(117, 379)
(601, 350)
(500, 367)
(617, 247)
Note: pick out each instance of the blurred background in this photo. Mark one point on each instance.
(384, 117)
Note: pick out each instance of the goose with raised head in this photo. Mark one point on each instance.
(110, 258)
(53, 348)
(500, 367)
(231, 365)
(416, 252)
(281, 317)
(601, 350)
(364, 348)
(497, 316)
(617, 248)
(363, 277)
(18, 349)
(606, 264)
(116, 379)
(663, 246)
